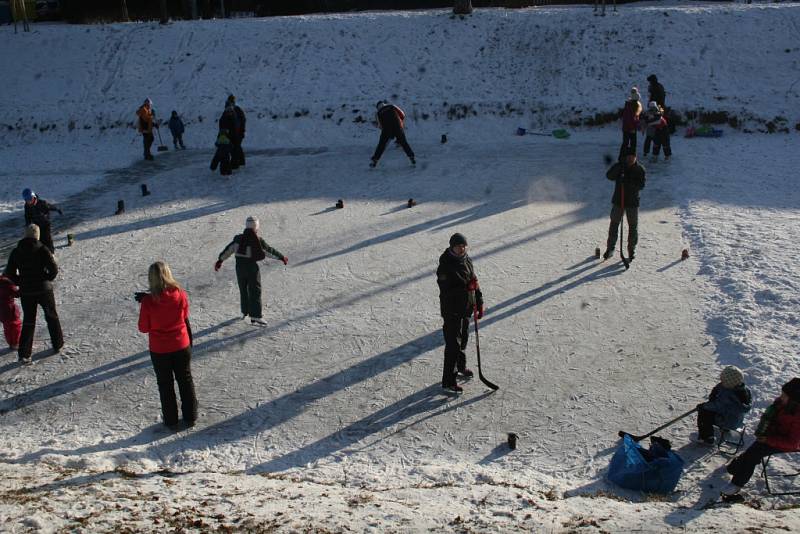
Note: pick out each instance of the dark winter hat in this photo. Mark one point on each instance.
(28, 195)
(792, 389)
(174, 113)
(231, 99)
(458, 239)
(652, 78)
(730, 377)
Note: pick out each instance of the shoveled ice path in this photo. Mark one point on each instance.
(344, 382)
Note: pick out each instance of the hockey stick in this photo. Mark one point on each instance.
(625, 262)
(622, 433)
(478, 349)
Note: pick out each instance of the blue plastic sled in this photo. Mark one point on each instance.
(654, 470)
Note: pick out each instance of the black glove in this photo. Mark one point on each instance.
(139, 295)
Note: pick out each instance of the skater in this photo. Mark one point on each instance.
(459, 295)
(237, 131)
(390, 120)
(661, 137)
(655, 92)
(164, 317)
(249, 248)
(778, 431)
(222, 157)
(37, 211)
(9, 312)
(629, 178)
(630, 122)
(726, 407)
(176, 128)
(33, 268)
(146, 124)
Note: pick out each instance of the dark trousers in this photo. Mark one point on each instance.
(170, 368)
(662, 139)
(385, 136)
(648, 140)
(628, 144)
(456, 335)
(705, 423)
(222, 159)
(248, 276)
(632, 214)
(147, 139)
(237, 153)
(177, 139)
(742, 466)
(30, 304)
(46, 237)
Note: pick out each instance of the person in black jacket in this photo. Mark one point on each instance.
(656, 91)
(390, 119)
(249, 248)
(37, 211)
(629, 178)
(32, 267)
(459, 297)
(237, 133)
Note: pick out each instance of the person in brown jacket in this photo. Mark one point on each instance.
(146, 125)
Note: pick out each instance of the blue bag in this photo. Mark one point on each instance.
(656, 470)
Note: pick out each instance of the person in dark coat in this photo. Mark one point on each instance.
(37, 211)
(249, 248)
(390, 119)
(655, 91)
(630, 123)
(176, 128)
(164, 317)
(629, 179)
(727, 404)
(237, 131)
(459, 297)
(33, 268)
(778, 431)
(222, 157)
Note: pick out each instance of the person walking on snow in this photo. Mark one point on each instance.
(629, 179)
(778, 431)
(237, 131)
(459, 297)
(176, 128)
(630, 123)
(249, 248)
(726, 407)
(37, 211)
(390, 120)
(145, 125)
(33, 268)
(9, 312)
(164, 317)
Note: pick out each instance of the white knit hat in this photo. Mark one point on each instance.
(730, 377)
(654, 106)
(635, 94)
(252, 223)
(32, 230)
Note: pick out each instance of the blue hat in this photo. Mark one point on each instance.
(28, 195)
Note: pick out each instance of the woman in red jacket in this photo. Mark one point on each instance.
(164, 316)
(778, 431)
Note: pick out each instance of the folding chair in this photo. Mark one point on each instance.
(729, 440)
(764, 464)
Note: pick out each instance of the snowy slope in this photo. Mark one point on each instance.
(332, 417)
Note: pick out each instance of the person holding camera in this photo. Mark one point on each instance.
(164, 316)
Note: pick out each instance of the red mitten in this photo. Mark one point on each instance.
(285, 260)
(218, 265)
(472, 285)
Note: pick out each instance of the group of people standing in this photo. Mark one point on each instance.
(652, 122)
(229, 155)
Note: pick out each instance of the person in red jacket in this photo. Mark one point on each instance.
(630, 123)
(164, 316)
(778, 431)
(390, 119)
(9, 312)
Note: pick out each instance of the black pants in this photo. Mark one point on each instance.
(385, 136)
(632, 214)
(662, 139)
(648, 140)
(147, 139)
(456, 335)
(170, 368)
(742, 466)
(46, 237)
(628, 144)
(705, 423)
(30, 304)
(222, 159)
(178, 140)
(237, 153)
(248, 276)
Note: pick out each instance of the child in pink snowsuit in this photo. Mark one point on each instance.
(9, 312)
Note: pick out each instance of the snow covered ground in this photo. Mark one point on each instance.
(331, 417)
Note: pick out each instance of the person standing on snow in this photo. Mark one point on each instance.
(33, 268)
(655, 91)
(390, 119)
(145, 125)
(459, 297)
(9, 312)
(629, 179)
(176, 128)
(37, 211)
(164, 317)
(237, 130)
(249, 248)
(630, 123)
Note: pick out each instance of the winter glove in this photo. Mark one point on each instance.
(479, 310)
(139, 295)
(472, 285)
(218, 265)
(285, 260)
